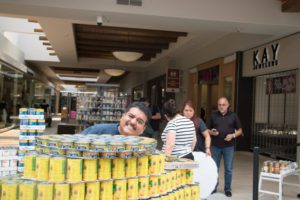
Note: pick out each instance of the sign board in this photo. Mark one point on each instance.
(276, 56)
(173, 81)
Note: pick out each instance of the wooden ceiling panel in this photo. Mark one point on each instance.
(100, 41)
(290, 6)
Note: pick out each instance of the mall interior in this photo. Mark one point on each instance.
(83, 62)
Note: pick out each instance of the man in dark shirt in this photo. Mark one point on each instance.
(224, 127)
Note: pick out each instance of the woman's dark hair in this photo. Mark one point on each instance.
(195, 119)
(142, 107)
(170, 108)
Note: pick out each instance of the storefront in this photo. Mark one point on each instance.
(275, 70)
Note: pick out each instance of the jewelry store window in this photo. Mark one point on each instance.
(276, 113)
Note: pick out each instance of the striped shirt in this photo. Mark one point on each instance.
(185, 132)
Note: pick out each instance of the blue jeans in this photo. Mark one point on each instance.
(227, 153)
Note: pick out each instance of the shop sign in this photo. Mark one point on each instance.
(282, 84)
(173, 81)
(266, 57)
(277, 56)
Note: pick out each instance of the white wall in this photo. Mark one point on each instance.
(11, 50)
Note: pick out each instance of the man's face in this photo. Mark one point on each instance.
(133, 122)
(223, 106)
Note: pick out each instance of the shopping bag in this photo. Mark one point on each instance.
(206, 174)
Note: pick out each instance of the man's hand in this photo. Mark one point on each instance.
(229, 137)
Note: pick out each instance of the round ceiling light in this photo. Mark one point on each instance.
(114, 72)
(127, 56)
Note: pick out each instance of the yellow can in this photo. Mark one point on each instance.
(44, 191)
(168, 181)
(77, 191)
(189, 176)
(62, 191)
(29, 166)
(119, 189)
(42, 167)
(92, 191)
(181, 193)
(74, 170)
(187, 193)
(104, 169)
(195, 191)
(173, 179)
(118, 168)
(106, 190)
(143, 186)
(161, 163)
(57, 171)
(130, 167)
(9, 190)
(154, 168)
(153, 185)
(142, 167)
(27, 190)
(162, 183)
(90, 169)
(183, 176)
(133, 188)
(178, 177)
(171, 195)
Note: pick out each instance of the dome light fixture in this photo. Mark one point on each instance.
(127, 56)
(114, 72)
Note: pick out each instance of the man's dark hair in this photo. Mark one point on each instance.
(142, 107)
(169, 108)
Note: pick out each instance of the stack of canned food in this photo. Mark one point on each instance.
(95, 146)
(175, 184)
(277, 167)
(8, 160)
(32, 124)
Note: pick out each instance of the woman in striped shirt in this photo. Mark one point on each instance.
(179, 136)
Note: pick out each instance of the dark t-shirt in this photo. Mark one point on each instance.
(200, 145)
(225, 125)
(154, 122)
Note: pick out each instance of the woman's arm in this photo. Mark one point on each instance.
(194, 141)
(170, 142)
(207, 142)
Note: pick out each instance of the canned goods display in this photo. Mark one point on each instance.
(143, 186)
(153, 185)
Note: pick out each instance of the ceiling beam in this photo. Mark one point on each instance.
(111, 49)
(110, 53)
(125, 39)
(127, 31)
(106, 56)
(290, 6)
(118, 44)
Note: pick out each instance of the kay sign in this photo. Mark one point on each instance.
(173, 80)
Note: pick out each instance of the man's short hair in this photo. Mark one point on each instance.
(142, 107)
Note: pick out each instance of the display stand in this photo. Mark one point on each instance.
(106, 106)
(279, 179)
(8, 161)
